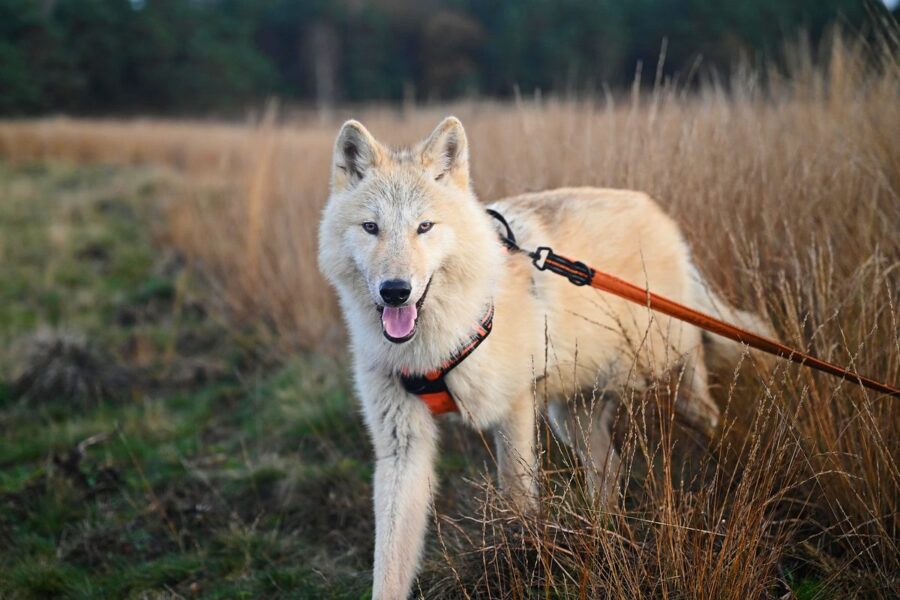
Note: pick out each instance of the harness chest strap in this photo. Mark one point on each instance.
(431, 387)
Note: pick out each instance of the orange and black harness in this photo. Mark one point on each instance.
(432, 388)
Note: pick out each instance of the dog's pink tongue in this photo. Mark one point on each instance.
(399, 322)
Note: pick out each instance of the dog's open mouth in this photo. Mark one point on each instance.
(399, 322)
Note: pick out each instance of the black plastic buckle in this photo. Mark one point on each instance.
(417, 384)
(576, 272)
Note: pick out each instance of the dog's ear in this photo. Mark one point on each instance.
(445, 154)
(355, 152)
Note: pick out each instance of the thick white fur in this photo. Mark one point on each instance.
(591, 340)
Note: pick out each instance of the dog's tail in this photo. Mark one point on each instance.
(721, 352)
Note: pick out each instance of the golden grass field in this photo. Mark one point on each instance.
(787, 186)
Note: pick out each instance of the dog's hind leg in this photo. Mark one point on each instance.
(514, 439)
(697, 405)
(588, 431)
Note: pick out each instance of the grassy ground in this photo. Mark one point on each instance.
(188, 469)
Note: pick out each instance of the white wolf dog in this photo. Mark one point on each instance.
(418, 264)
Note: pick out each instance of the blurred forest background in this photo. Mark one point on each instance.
(188, 56)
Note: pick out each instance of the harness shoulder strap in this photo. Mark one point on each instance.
(431, 387)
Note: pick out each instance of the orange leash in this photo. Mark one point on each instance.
(580, 274)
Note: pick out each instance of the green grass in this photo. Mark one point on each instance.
(249, 481)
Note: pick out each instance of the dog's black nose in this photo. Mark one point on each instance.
(395, 291)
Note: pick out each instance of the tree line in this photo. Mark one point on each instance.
(191, 56)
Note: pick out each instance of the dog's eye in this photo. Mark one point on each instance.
(371, 227)
(425, 227)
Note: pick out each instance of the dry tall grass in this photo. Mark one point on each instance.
(788, 189)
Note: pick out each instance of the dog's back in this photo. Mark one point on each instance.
(626, 234)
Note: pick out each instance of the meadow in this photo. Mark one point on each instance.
(174, 396)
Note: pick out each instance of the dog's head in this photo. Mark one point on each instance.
(397, 220)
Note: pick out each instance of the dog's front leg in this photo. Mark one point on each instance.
(516, 461)
(404, 435)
